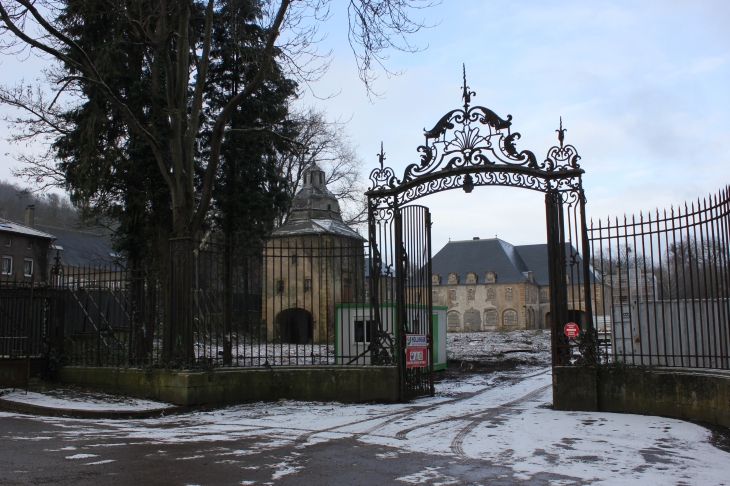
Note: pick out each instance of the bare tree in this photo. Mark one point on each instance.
(327, 144)
(174, 38)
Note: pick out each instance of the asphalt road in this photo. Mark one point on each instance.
(490, 429)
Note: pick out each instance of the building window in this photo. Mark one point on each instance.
(362, 331)
(471, 294)
(29, 245)
(307, 284)
(492, 319)
(491, 293)
(453, 321)
(7, 265)
(452, 294)
(279, 286)
(8, 242)
(508, 293)
(28, 268)
(294, 260)
(509, 318)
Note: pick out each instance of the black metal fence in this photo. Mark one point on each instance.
(29, 319)
(666, 281)
(290, 301)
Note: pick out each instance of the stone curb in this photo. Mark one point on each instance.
(27, 408)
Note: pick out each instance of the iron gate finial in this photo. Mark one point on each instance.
(467, 93)
(561, 133)
(381, 156)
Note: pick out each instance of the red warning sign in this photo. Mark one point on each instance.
(416, 351)
(571, 330)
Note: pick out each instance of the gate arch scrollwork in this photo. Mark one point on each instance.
(473, 146)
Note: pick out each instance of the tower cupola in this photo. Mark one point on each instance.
(314, 200)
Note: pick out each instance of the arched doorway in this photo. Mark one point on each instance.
(469, 147)
(295, 326)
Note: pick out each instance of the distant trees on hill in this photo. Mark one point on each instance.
(50, 209)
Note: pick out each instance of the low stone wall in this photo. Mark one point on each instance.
(16, 371)
(684, 393)
(242, 385)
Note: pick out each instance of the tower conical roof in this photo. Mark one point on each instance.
(314, 200)
(315, 210)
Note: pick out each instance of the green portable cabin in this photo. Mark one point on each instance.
(355, 328)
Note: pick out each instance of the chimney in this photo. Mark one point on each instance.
(30, 215)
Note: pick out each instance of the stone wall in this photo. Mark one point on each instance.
(684, 393)
(242, 385)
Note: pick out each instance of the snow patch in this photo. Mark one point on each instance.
(81, 456)
(63, 399)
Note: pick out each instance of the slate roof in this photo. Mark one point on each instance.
(316, 227)
(536, 259)
(79, 249)
(509, 261)
(479, 256)
(7, 226)
(315, 210)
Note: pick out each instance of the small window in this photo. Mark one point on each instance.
(29, 245)
(28, 268)
(508, 293)
(307, 284)
(7, 265)
(279, 286)
(8, 242)
(329, 207)
(362, 331)
(294, 260)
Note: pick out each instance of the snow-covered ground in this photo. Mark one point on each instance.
(279, 354)
(69, 399)
(503, 420)
(531, 346)
(500, 419)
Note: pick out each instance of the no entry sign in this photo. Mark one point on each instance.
(571, 329)
(416, 350)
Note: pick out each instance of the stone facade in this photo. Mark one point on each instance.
(488, 305)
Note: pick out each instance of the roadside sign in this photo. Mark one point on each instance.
(416, 350)
(571, 330)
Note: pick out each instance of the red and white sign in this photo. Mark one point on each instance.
(416, 350)
(571, 329)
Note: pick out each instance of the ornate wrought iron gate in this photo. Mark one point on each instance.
(468, 147)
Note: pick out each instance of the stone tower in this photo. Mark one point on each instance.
(313, 261)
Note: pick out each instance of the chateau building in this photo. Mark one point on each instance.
(491, 285)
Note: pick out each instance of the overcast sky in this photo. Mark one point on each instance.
(642, 87)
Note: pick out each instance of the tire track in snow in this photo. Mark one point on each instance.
(458, 441)
(402, 434)
(394, 417)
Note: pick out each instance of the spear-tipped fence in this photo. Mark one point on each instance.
(668, 280)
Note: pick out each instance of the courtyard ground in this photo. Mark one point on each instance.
(491, 422)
